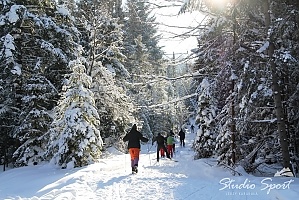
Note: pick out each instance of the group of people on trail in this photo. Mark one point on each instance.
(165, 145)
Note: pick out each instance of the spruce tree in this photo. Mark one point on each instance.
(9, 112)
(143, 61)
(35, 120)
(74, 138)
(251, 95)
(42, 40)
(205, 141)
(105, 60)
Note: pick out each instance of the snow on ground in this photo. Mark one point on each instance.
(111, 179)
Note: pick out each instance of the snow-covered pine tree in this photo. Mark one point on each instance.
(248, 58)
(43, 41)
(157, 118)
(10, 73)
(140, 22)
(9, 112)
(214, 60)
(74, 139)
(286, 34)
(143, 60)
(224, 150)
(105, 37)
(37, 98)
(254, 103)
(205, 141)
(103, 54)
(113, 105)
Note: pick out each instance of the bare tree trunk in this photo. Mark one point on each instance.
(281, 126)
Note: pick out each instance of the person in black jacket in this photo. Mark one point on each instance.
(192, 128)
(134, 137)
(182, 137)
(160, 145)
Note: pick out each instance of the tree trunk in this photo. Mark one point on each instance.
(233, 122)
(281, 126)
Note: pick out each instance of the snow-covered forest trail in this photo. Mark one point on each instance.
(111, 179)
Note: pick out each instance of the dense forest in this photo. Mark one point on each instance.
(76, 75)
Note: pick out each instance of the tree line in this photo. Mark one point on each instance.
(247, 108)
(67, 76)
(75, 75)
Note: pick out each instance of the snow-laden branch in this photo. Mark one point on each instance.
(170, 102)
(154, 79)
(265, 120)
(193, 28)
(155, 6)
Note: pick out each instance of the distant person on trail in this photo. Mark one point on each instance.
(160, 145)
(134, 138)
(170, 142)
(174, 140)
(192, 128)
(182, 137)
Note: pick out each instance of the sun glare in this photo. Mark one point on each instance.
(217, 4)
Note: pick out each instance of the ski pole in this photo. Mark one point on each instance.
(149, 156)
(125, 162)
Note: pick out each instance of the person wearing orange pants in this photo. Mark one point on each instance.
(134, 153)
(134, 137)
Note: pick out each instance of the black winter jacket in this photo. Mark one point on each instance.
(160, 140)
(182, 134)
(134, 138)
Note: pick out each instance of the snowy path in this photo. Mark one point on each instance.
(111, 179)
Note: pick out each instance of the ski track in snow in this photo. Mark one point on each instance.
(111, 179)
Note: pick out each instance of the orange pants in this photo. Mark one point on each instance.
(134, 153)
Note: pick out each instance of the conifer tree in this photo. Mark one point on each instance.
(35, 120)
(74, 139)
(251, 95)
(41, 40)
(103, 55)
(143, 59)
(10, 76)
(140, 23)
(9, 112)
(205, 141)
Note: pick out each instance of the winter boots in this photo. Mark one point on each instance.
(135, 169)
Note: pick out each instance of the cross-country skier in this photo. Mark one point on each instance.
(170, 144)
(160, 145)
(182, 137)
(134, 138)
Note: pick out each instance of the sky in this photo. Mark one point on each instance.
(111, 179)
(173, 24)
